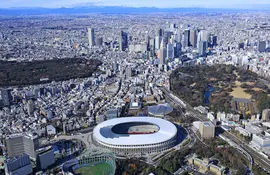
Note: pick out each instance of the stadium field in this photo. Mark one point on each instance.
(94, 169)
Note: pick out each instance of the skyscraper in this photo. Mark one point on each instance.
(202, 48)
(170, 51)
(123, 41)
(193, 38)
(30, 107)
(262, 46)
(157, 42)
(91, 37)
(186, 39)
(163, 53)
(159, 32)
(202, 36)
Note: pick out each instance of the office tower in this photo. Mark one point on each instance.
(162, 53)
(20, 165)
(5, 97)
(18, 144)
(170, 51)
(266, 115)
(91, 37)
(262, 46)
(178, 36)
(45, 157)
(207, 130)
(99, 41)
(167, 36)
(30, 107)
(152, 47)
(159, 32)
(193, 38)
(123, 41)
(177, 49)
(157, 42)
(203, 35)
(186, 38)
(241, 46)
(31, 144)
(213, 40)
(15, 146)
(129, 72)
(202, 48)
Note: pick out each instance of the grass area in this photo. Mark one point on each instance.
(97, 169)
(239, 92)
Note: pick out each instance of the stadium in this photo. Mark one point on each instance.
(91, 164)
(135, 135)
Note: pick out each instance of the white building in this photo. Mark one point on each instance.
(261, 142)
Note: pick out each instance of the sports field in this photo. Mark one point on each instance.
(96, 169)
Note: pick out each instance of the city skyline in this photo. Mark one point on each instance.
(140, 3)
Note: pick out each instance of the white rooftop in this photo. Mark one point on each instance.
(103, 132)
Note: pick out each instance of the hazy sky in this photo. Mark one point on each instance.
(148, 3)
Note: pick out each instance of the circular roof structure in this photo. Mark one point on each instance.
(160, 110)
(104, 131)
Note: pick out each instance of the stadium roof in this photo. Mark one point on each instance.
(160, 110)
(103, 132)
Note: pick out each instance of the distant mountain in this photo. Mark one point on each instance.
(116, 10)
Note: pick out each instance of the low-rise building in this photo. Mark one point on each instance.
(261, 142)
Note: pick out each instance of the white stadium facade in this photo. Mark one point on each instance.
(135, 135)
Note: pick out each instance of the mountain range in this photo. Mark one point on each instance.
(122, 10)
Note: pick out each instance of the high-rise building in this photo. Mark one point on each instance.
(5, 97)
(177, 49)
(193, 38)
(20, 165)
(170, 51)
(202, 48)
(186, 39)
(18, 144)
(207, 130)
(266, 115)
(99, 41)
(45, 157)
(212, 40)
(30, 107)
(262, 46)
(178, 36)
(152, 47)
(91, 37)
(241, 46)
(167, 36)
(158, 42)
(15, 146)
(162, 53)
(159, 32)
(202, 36)
(123, 41)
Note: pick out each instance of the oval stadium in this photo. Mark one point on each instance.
(135, 135)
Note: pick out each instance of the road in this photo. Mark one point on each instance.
(244, 148)
(258, 159)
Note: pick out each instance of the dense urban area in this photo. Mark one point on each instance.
(135, 94)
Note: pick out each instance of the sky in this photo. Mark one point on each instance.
(135, 3)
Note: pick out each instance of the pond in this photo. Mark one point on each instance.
(207, 94)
